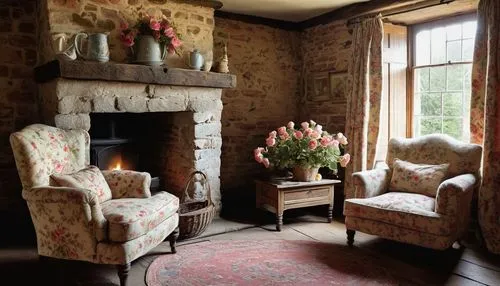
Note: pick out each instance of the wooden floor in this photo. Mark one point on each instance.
(469, 266)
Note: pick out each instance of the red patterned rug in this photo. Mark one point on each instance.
(274, 262)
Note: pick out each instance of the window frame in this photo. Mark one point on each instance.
(412, 33)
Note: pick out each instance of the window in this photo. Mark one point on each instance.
(442, 60)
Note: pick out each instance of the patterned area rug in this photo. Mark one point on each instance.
(274, 262)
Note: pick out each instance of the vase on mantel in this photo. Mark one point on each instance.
(304, 174)
(149, 51)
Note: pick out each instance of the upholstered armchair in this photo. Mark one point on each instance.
(81, 213)
(423, 198)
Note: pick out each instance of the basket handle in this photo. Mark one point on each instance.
(205, 182)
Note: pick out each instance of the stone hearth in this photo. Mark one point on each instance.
(192, 101)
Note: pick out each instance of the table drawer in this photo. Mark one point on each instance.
(307, 195)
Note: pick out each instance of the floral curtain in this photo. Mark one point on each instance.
(485, 117)
(363, 104)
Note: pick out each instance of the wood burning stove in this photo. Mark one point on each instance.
(116, 145)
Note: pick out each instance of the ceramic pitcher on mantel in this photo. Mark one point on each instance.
(149, 51)
(97, 47)
(195, 60)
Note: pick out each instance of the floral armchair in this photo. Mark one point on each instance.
(435, 218)
(114, 225)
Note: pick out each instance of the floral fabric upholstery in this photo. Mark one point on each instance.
(69, 222)
(484, 117)
(436, 149)
(412, 211)
(130, 218)
(429, 221)
(121, 253)
(89, 178)
(370, 183)
(417, 178)
(401, 234)
(128, 184)
(42, 150)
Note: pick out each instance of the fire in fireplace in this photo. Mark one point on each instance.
(117, 144)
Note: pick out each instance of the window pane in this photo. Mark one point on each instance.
(438, 46)
(454, 51)
(469, 29)
(452, 104)
(454, 32)
(423, 46)
(422, 79)
(453, 127)
(467, 50)
(437, 78)
(430, 104)
(467, 76)
(454, 77)
(430, 125)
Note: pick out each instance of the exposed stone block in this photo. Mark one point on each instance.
(211, 143)
(167, 104)
(197, 17)
(133, 104)
(104, 103)
(206, 117)
(75, 104)
(181, 15)
(73, 121)
(207, 130)
(107, 25)
(207, 154)
(205, 99)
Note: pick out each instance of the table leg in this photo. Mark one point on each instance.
(330, 213)
(279, 221)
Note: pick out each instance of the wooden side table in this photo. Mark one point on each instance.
(278, 196)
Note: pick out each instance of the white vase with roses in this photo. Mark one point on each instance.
(304, 149)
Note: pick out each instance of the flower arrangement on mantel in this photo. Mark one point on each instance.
(157, 26)
(305, 149)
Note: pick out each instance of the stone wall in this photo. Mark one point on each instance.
(17, 90)
(267, 62)
(194, 23)
(325, 48)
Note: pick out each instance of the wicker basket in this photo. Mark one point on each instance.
(194, 217)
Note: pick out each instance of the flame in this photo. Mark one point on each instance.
(118, 166)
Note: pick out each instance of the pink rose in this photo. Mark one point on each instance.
(308, 131)
(341, 138)
(304, 125)
(154, 25)
(175, 42)
(164, 24)
(325, 141)
(298, 134)
(258, 150)
(169, 32)
(265, 161)
(334, 143)
(272, 134)
(270, 142)
(282, 130)
(344, 160)
(285, 136)
(313, 144)
(315, 134)
(128, 40)
(258, 157)
(290, 125)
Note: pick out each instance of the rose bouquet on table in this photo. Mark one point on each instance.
(308, 146)
(156, 26)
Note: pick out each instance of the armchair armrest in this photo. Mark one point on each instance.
(371, 183)
(128, 184)
(68, 221)
(455, 194)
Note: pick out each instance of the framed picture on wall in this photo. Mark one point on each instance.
(318, 88)
(338, 86)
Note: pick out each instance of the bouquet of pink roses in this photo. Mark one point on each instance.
(308, 146)
(159, 27)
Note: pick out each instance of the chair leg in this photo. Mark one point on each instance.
(350, 237)
(123, 273)
(172, 238)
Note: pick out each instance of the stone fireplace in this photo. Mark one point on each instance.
(181, 107)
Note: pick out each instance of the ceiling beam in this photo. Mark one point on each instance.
(355, 10)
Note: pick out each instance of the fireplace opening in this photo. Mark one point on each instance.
(122, 141)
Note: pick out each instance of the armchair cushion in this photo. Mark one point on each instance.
(89, 178)
(408, 210)
(128, 184)
(130, 218)
(417, 178)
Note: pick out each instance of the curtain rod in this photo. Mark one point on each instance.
(361, 18)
